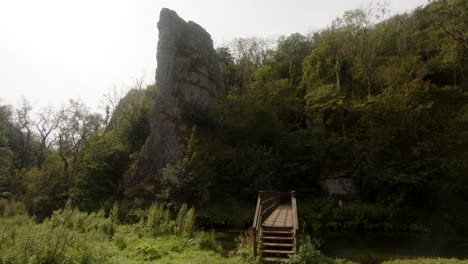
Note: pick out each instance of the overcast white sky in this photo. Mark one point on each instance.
(53, 50)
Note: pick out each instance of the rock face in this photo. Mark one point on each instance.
(189, 80)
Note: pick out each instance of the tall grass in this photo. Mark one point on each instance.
(24, 241)
(160, 221)
(72, 236)
(12, 208)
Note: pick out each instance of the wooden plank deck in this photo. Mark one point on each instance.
(281, 217)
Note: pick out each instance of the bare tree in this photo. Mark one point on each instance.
(46, 125)
(111, 99)
(74, 130)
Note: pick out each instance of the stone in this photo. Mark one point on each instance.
(189, 81)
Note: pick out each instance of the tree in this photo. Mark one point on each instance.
(6, 166)
(24, 138)
(189, 179)
(289, 55)
(249, 53)
(451, 17)
(368, 38)
(46, 126)
(228, 69)
(75, 129)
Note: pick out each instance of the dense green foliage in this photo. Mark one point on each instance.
(379, 99)
(321, 215)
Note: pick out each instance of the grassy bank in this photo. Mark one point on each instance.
(72, 236)
(157, 236)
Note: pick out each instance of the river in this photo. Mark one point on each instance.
(374, 247)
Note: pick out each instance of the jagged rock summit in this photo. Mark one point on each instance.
(188, 80)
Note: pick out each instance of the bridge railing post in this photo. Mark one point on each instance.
(295, 220)
(257, 222)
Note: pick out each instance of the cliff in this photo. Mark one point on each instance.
(188, 80)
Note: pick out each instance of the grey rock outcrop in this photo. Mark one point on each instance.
(188, 79)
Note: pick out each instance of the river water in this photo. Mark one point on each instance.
(374, 247)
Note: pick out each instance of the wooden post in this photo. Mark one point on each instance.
(295, 220)
(257, 225)
(254, 242)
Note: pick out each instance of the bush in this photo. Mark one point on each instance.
(23, 241)
(207, 240)
(119, 241)
(148, 252)
(308, 254)
(185, 221)
(74, 237)
(114, 213)
(94, 223)
(245, 249)
(12, 208)
(323, 215)
(3, 203)
(159, 219)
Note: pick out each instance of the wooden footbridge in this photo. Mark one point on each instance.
(275, 226)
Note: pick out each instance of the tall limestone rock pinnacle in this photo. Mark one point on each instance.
(188, 79)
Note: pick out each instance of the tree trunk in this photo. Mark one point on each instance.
(243, 89)
(369, 88)
(337, 72)
(290, 78)
(342, 122)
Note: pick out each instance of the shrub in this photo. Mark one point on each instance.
(207, 240)
(114, 213)
(189, 223)
(12, 208)
(322, 214)
(185, 221)
(94, 223)
(119, 241)
(23, 241)
(3, 203)
(159, 219)
(148, 252)
(244, 247)
(308, 254)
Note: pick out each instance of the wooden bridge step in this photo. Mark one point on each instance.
(277, 252)
(278, 237)
(270, 227)
(271, 259)
(277, 245)
(277, 232)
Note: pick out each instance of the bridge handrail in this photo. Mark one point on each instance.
(266, 203)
